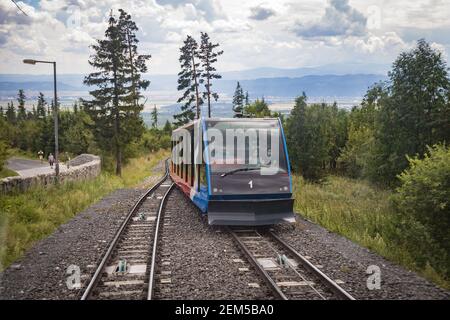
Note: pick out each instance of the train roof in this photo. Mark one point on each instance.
(190, 124)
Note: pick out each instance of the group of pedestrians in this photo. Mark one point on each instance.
(51, 158)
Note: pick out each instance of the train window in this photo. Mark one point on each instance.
(241, 158)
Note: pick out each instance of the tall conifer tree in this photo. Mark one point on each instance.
(115, 108)
(208, 57)
(238, 101)
(189, 81)
(41, 103)
(21, 111)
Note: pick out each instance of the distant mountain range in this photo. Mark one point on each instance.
(330, 80)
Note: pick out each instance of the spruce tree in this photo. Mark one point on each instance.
(154, 116)
(208, 57)
(238, 101)
(2, 114)
(41, 103)
(247, 101)
(167, 127)
(21, 111)
(115, 108)
(135, 63)
(11, 113)
(189, 80)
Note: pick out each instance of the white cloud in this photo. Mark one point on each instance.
(261, 12)
(340, 19)
(299, 34)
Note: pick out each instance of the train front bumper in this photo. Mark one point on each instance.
(251, 212)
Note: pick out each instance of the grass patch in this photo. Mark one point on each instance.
(33, 215)
(361, 213)
(5, 172)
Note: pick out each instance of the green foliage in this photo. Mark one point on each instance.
(257, 109)
(315, 136)
(11, 113)
(21, 113)
(28, 217)
(238, 101)
(75, 135)
(115, 108)
(356, 154)
(167, 128)
(41, 104)
(3, 151)
(37, 133)
(155, 139)
(154, 115)
(189, 79)
(208, 57)
(423, 204)
(363, 213)
(414, 111)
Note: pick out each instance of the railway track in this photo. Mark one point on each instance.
(286, 272)
(126, 271)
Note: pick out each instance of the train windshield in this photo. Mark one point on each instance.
(253, 146)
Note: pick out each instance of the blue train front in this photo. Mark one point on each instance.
(234, 170)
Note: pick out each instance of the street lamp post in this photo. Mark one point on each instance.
(55, 110)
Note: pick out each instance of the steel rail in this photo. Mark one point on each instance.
(97, 275)
(155, 244)
(339, 291)
(269, 281)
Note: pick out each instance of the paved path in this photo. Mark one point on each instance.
(29, 168)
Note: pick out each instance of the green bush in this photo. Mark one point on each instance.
(423, 204)
(3, 154)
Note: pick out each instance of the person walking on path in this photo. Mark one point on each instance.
(41, 156)
(51, 160)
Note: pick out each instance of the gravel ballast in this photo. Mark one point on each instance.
(346, 261)
(197, 261)
(41, 273)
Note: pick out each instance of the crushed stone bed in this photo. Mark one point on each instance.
(344, 260)
(41, 273)
(197, 261)
(204, 262)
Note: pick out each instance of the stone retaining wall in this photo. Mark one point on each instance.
(83, 171)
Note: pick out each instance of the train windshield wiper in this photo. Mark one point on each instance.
(239, 170)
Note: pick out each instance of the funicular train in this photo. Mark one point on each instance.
(235, 170)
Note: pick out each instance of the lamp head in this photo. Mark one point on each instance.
(29, 61)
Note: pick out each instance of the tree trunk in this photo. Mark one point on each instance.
(117, 127)
(196, 88)
(132, 68)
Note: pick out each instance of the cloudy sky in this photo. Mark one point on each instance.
(253, 33)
